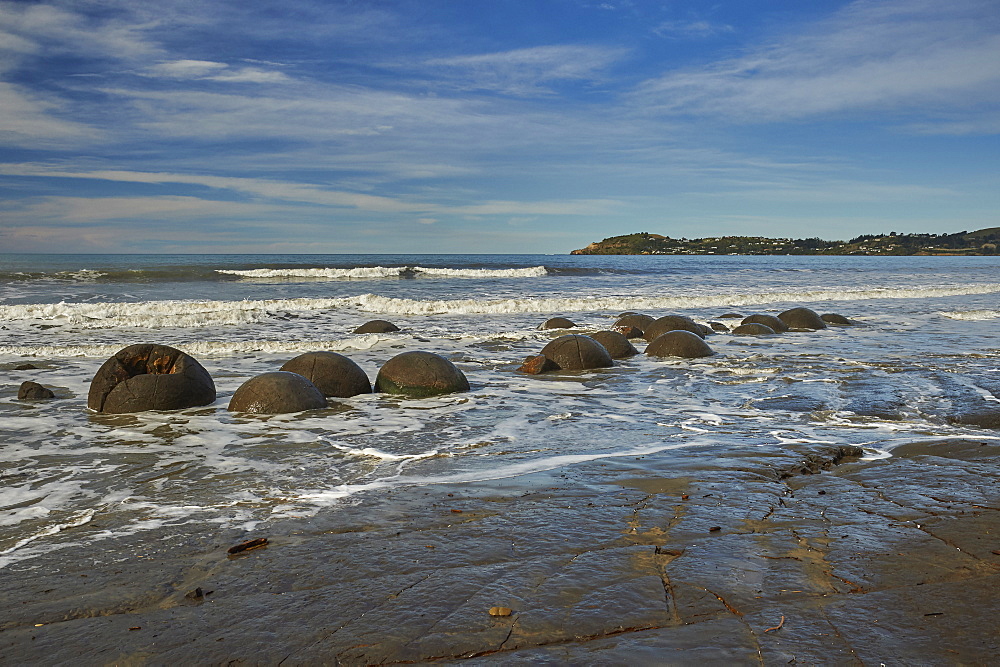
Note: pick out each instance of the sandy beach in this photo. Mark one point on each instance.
(800, 557)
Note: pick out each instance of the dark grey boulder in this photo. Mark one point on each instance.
(753, 329)
(376, 326)
(615, 343)
(775, 323)
(32, 391)
(420, 374)
(277, 392)
(332, 373)
(628, 332)
(573, 352)
(835, 318)
(658, 327)
(25, 367)
(802, 318)
(150, 377)
(635, 320)
(730, 316)
(719, 326)
(557, 323)
(679, 343)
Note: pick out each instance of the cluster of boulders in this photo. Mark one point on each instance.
(159, 377)
(667, 336)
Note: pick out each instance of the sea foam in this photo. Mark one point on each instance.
(377, 272)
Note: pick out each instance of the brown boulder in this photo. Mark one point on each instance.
(802, 318)
(376, 326)
(150, 377)
(835, 318)
(332, 373)
(536, 365)
(557, 323)
(635, 320)
(656, 328)
(573, 352)
(730, 316)
(32, 391)
(277, 392)
(679, 343)
(615, 343)
(753, 329)
(420, 374)
(628, 332)
(774, 323)
(719, 326)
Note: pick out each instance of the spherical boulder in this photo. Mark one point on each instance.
(835, 318)
(753, 329)
(32, 391)
(635, 320)
(420, 374)
(376, 326)
(277, 392)
(802, 318)
(332, 373)
(774, 323)
(150, 377)
(656, 328)
(679, 343)
(615, 343)
(573, 352)
(557, 323)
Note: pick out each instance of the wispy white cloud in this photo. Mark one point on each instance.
(215, 71)
(30, 120)
(902, 55)
(527, 71)
(691, 29)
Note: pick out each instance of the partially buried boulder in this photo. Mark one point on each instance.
(150, 377)
(835, 318)
(420, 374)
(753, 329)
(634, 320)
(376, 326)
(573, 352)
(277, 392)
(802, 318)
(615, 343)
(332, 373)
(557, 323)
(719, 326)
(658, 327)
(771, 321)
(32, 391)
(679, 343)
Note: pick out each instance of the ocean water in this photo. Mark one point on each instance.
(923, 363)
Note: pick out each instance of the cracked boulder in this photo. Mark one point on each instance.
(333, 374)
(802, 318)
(633, 321)
(656, 328)
(679, 343)
(574, 352)
(420, 374)
(277, 392)
(615, 343)
(150, 377)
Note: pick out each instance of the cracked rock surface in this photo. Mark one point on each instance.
(691, 557)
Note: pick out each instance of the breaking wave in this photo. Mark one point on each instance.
(972, 314)
(377, 272)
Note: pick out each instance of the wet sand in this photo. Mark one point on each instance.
(703, 555)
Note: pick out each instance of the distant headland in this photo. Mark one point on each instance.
(981, 242)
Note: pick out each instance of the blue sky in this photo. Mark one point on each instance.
(490, 125)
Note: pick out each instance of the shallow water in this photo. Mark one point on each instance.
(923, 358)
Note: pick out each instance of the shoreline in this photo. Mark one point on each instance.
(732, 556)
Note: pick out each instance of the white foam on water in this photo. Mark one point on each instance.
(972, 314)
(377, 272)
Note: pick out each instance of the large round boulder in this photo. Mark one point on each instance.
(658, 327)
(773, 322)
(376, 326)
(836, 318)
(150, 377)
(635, 320)
(420, 374)
(277, 392)
(679, 343)
(753, 329)
(557, 323)
(615, 343)
(573, 352)
(802, 318)
(332, 373)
